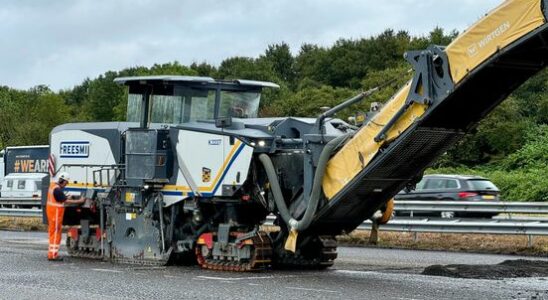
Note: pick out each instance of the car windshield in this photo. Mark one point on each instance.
(482, 184)
(420, 184)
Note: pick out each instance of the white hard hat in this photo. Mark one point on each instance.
(63, 176)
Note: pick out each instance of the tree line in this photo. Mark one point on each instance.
(312, 78)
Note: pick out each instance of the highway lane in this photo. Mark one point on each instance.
(359, 273)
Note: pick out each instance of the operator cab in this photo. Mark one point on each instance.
(184, 99)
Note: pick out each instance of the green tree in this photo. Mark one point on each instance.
(11, 107)
(309, 101)
(102, 96)
(312, 65)
(282, 61)
(247, 68)
(204, 69)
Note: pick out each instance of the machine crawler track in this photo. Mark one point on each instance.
(93, 253)
(325, 252)
(88, 253)
(261, 257)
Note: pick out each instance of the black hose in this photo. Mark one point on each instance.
(315, 194)
(275, 187)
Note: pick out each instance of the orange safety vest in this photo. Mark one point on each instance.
(51, 199)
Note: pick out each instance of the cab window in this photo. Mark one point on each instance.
(187, 105)
(239, 104)
(199, 106)
(166, 109)
(134, 104)
(9, 184)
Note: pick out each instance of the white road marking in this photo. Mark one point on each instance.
(241, 278)
(355, 272)
(253, 283)
(108, 270)
(313, 290)
(148, 268)
(26, 241)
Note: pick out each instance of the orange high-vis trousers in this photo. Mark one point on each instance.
(55, 212)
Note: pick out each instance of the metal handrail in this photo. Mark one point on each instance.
(116, 168)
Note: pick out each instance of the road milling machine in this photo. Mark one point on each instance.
(194, 173)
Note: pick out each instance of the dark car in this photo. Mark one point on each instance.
(451, 188)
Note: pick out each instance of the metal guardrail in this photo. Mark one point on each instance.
(418, 206)
(521, 226)
(21, 201)
(487, 226)
(20, 212)
(471, 206)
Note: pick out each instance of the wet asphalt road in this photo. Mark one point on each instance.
(359, 273)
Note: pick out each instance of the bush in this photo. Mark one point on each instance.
(521, 185)
(533, 155)
(520, 176)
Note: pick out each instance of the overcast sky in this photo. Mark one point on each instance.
(61, 42)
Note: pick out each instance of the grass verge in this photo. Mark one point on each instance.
(22, 224)
(478, 243)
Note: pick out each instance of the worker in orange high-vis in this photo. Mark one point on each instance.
(55, 209)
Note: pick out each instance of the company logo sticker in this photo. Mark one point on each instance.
(74, 149)
(488, 39)
(472, 50)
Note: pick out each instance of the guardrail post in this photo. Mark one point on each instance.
(374, 235)
(530, 241)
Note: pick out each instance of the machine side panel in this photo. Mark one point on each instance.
(235, 173)
(72, 148)
(212, 160)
